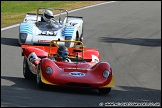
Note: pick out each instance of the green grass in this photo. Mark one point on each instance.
(13, 12)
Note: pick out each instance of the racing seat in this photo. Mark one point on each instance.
(77, 58)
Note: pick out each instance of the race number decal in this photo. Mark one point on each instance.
(32, 57)
(95, 59)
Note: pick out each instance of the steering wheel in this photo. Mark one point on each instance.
(67, 60)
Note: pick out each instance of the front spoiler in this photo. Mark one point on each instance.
(111, 84)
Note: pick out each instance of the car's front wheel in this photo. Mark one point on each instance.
(26, 71)
(39, 82)
(104, 90)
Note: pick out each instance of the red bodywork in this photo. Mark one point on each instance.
(64, 72)
(93, 73)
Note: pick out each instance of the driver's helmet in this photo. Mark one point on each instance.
(48, 15)
(63, 52)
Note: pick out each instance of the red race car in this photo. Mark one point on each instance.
(67, 66)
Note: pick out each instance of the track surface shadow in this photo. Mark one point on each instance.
(23, 90)
(10, 41)
(133, 41)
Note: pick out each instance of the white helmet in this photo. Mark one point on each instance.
(48, 15)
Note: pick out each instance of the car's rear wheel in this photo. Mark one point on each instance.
(81, 37)
(26, 71)
(39, 82)
(104, 90)
(77, 36)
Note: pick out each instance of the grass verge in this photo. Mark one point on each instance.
(13, 12)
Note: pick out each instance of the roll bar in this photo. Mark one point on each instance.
(75, 44)
(38, 10)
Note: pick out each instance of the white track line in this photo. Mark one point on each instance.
(5, 28)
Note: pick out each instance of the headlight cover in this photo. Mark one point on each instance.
(106, 73)
(49, 70)
(23, 37)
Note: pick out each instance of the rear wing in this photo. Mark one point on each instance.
(75, 17)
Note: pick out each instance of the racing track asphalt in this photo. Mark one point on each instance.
(127, 35)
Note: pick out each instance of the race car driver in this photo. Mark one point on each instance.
(62, 54)
(49, 18)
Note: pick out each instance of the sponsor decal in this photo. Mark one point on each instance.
(77, 74)
(49, 33)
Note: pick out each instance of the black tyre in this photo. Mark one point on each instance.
(104, 90)
(81, 37)
(77, 36)
(38, 79)
(26, 71)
